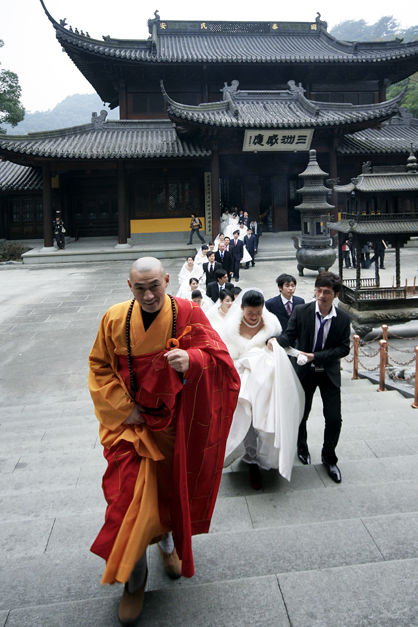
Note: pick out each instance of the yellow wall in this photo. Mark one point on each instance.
(163, 225)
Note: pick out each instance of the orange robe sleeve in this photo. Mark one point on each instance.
(112, 401)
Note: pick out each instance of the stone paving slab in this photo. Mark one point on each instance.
(52, 502)
(383, 447)
(396, 535)
(239, 555)
(250, 603)
(28, 538)
(366, 595)
(47, 579)
(3, 618)
(298, 506)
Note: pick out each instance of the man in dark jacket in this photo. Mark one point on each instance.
(322, 333)
(224, 257)
(282, 306)
(210, 267)
(214, 287)
(250, 244)
(237, 249)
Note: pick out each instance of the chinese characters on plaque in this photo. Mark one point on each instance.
(273, 139)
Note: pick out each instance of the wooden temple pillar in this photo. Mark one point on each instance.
(122, 208)
(341, 238)
(280, 200)
(333, 173)
(397, 264)
(47, 208)
(216, 210)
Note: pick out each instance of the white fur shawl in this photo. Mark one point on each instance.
(238, 345)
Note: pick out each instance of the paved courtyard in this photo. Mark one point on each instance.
(308, 553)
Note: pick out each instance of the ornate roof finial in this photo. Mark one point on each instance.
(411, 162)
(63, 22)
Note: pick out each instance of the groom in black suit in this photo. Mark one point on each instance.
(282, 306)
(322, 333)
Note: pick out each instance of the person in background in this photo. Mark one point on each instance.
(59, 230)
(283, 304)
(322, 333)
(251, 246)
(195, 226)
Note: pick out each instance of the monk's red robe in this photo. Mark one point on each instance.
(175, 461)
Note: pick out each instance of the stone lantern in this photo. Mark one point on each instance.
(314, 250)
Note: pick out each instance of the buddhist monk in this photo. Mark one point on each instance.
(164, 390)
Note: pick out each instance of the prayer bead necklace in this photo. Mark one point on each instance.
(133, 384)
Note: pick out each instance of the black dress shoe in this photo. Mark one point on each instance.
(304, 457)
(333, 471)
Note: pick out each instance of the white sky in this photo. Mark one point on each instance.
(47, 75)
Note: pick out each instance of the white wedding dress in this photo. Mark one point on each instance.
(271, 399)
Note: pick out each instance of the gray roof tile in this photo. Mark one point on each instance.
(15, 177)
(385, 182)
(395, 136)
(134, 139)
(238, 42)
(278, 109)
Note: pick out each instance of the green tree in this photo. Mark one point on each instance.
(11, 109)
(410, 100)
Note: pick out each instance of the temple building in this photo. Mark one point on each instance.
(212, 115)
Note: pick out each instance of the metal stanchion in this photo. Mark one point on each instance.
(385, 337)
(382, 366)
(415, 403)
(356, 342)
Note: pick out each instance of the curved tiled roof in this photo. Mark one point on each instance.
(134, 139)
(235, 42)
(384, 182)
(376, 225)
(278, 109)
(15, 177)
(389, 138)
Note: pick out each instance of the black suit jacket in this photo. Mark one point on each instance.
(275, 305)
(212, 290)
(300, 333)
(226, 263)
(210, 276)
(238, 250)
(250, 244)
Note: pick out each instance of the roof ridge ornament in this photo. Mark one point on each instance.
(98, 121)
(411, 162)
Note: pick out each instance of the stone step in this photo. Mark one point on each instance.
(65, 563)
(367, 594)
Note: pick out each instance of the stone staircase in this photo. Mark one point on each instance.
(304, 553)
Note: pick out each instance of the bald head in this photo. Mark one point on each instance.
(147, 264)
(148, 281)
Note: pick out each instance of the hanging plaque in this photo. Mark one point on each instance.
(256, 140)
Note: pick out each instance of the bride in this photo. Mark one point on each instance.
(271, 400)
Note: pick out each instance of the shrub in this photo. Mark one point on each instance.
(12, 251)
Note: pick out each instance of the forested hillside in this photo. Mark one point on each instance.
(72, 111)
(385, 28)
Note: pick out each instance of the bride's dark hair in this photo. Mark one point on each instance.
(252, 298)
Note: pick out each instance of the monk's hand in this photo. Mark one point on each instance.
(178, 359)
(270, 343)
(134, 417)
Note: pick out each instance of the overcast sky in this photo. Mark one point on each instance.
(47, 75)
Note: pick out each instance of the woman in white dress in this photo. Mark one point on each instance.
(187, 288)
(186, 271)
(218, 313)
(271, 399)
(232, 225)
